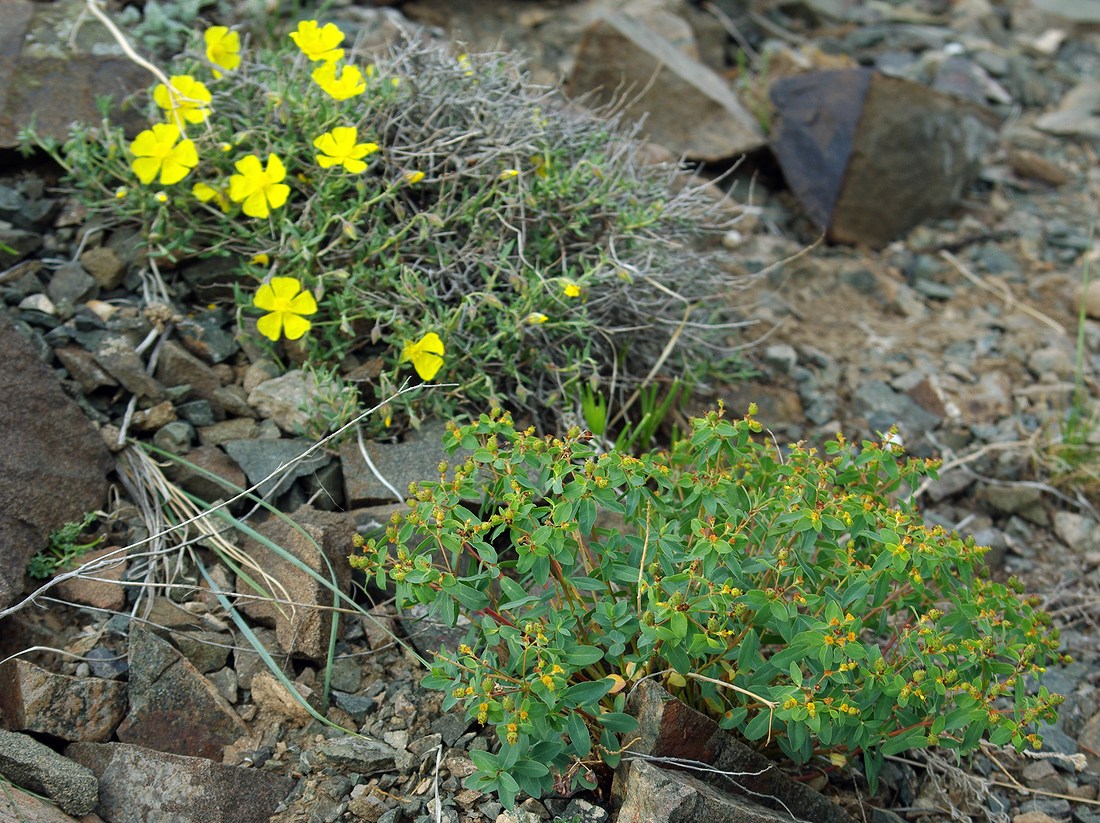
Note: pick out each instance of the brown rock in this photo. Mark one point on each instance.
(322, 542)
(43, 78)
(207, 460)
(104, 264)
(178, 367)
(82, 367)
(271, 695)
(668, 728)
(152, 418)
(167, 694)
(102, 592)
(687, 107)
(137, 785)
(870, 156)
(1092, 300)
(17, 806)
(72, 708)
(53, 465)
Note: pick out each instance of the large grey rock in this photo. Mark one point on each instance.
(17, 806)
(178, 367)
(655, 795)
(320, 541)
(167, 694)
(53, 464)
(72, 708)
(1077, 113)
(871, 156)
(414, 459)
(137, 785)
(259, 458)
(30, 764)
(688, 108)
(282, 399)
(668, 728)
(46, 78)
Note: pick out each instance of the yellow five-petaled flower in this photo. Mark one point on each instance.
(258, 188)
(348, 83)
(319, 42)
(223, 48)
(159, 151)
(285, 302)
(426, 355)
(188, 101)
(339, 148)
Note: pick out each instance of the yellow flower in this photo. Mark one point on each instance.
(339, 148)
(260, 259)
(570, 289)
(161, 197)
(536, 317)
(348, 83)
(464, 64)
(188, 100)
(259, 189)
(285, 303)
(319, 43)
(204, 192)
(426, 355)
(159, 151)
(120, 192)
(223, 48)
(413, 177)
(508, 174)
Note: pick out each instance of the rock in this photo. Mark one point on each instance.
(321, 541)
(38, 302)
(668, 728)
(870, 156)
(354, 754)
(72, 708)
(882, 407)
(207, 651)
(53, 464)
(1092, 299)
(1077, 531)
(259, 459)
(32, 765)
(178, 367)
(104, 265)
(688, 108)
(1034, 817)
(115, 354)
(176, 437)
(82, 367)
(167, 693)
(1075, 11)
(235, 428)
(281, 399)
(270, 694)
(53, 82)
(654, 795)
(154, 417)
(1076, 115)
(415, 458)
(138, 785)
(17, 806)
(70, 285)
(105, 590)
(204, 336)
(207, 459)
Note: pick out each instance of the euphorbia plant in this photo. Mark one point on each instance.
(781, 591)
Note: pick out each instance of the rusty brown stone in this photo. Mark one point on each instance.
(72, 708)
(105, 592)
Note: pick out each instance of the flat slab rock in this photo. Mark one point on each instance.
(72, 708)
(137, 785)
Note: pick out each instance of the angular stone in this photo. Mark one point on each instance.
(72, 708)
(688, 108)
(104, 265)
(35, 766)
(870, 156)
(167, 693)
(17, 806)
(668, 728)
(207, 459)
(103, 592)
(281, 399)
(655, 795)
(272, 696)
(415, 458)
(115, 354)
(82, 367)
(355, 754)
(259, 458)
(178, 367)
(137, 785)
(302, 625)
(53, 464)
(70, 285)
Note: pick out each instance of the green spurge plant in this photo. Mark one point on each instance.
(783, 593)
(423, 212)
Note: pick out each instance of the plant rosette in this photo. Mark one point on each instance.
(451, 221)
(782, 592)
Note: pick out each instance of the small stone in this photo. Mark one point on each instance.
(1079, 532)
(271, 695)
(275, 464)
(225, 681)
(178, 367)
(282, 398)
(1092, 300)
(82, 367)
(104, 265)
(71, 285)
(235, 428)
(154, 417)
(196, 412)
(207, 460)
(781, 357)
(106, 591)
(357, 754)
(176, 437)
(38, 302)
(115, 354)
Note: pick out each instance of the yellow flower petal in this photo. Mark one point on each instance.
(270, 325)
(294, 326)
(303, 303)
(426, 355)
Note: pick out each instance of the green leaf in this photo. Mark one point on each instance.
(578, 734)
(530, 768)
(588, 692)
(584, 655)
(484, 761)
(617, 722)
